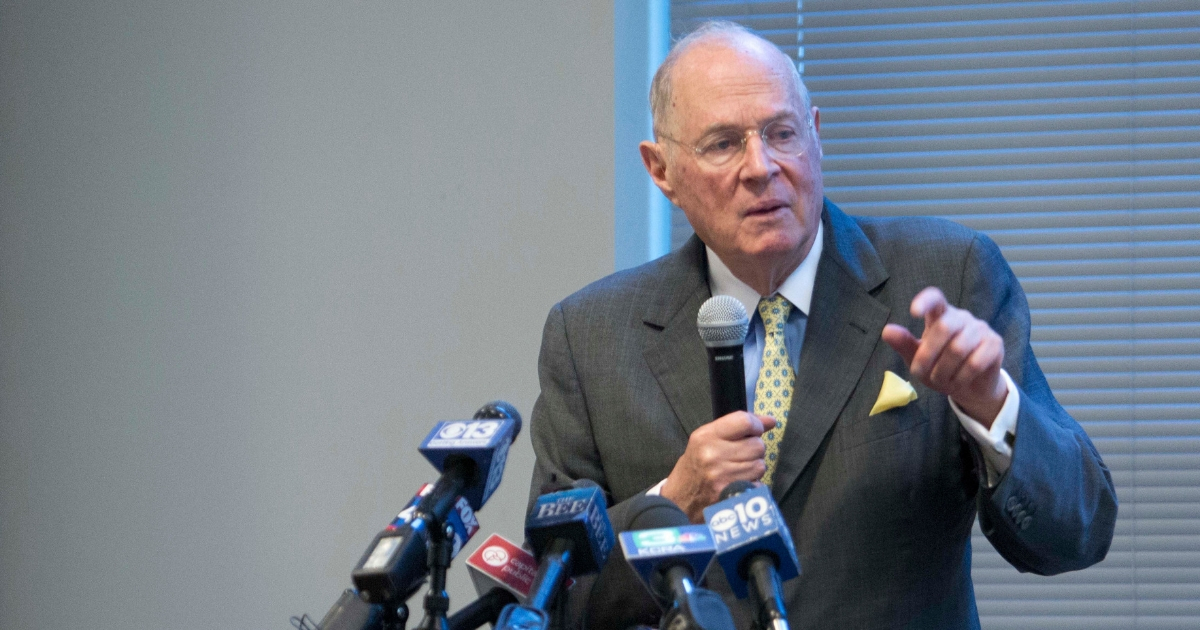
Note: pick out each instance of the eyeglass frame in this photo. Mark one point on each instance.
(744, 138)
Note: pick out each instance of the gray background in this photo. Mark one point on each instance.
(249, 253)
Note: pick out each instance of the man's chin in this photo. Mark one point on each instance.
(774, 245)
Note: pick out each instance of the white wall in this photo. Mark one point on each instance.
(249, 253)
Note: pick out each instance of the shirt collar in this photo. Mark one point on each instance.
(797, 288)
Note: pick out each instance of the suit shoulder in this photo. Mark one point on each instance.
(916, 232)
(906, 239)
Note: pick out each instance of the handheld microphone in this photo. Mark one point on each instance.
(669, 561)
(571, 536)
(723, 325)
(471, 455)
(755, 549)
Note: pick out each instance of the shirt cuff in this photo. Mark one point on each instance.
(996, 443)
(656, 489)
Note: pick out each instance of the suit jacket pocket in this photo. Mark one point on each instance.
(858, 428)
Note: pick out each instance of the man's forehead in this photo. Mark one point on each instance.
(719, 58)
(737, 72)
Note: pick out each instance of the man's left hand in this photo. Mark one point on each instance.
(958, 355)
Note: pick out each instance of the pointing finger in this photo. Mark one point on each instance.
(930, 303)
(902, 341)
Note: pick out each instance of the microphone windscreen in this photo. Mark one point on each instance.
(735, 488)
(618, 598)
(500, 409)
(651, 512)
(722, 321)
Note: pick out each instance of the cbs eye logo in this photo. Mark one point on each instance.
(474, 430)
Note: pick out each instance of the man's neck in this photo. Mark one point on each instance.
(765, 276)
(797, 287)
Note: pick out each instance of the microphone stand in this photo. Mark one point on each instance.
(437, 602)
(394, 616)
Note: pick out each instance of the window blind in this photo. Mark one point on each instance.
(1069, 131)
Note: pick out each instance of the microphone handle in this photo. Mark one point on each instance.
(457, 475)
(768, 592)
(727, 374)
(553, 571)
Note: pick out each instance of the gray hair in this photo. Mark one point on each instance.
(719, 30)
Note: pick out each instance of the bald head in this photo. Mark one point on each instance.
(697, 46)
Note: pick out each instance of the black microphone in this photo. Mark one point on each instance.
(350, 612)
(723, 324)
(471, 455)
(755, 549)
(617, 599)
(670, 556)
(485, 609)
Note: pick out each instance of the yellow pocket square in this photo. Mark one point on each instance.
(896, 392)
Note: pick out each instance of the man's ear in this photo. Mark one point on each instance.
(816, 119)
(656, 165)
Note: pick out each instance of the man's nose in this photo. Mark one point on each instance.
(759, 163)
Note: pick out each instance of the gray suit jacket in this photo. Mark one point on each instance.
(881, 507)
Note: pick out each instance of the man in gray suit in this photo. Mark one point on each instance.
(880, 489)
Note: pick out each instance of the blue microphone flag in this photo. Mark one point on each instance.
(747, 523)
(485, 442)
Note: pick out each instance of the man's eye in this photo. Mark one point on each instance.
(781, 134)
(722, 144)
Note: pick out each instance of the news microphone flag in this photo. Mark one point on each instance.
(578, 515)
(747, 523)
(648, 550)
(461, 519)
(485, 442)
(500, 562)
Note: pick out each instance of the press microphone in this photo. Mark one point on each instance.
(754, 548)
(571, 536)
(470, 455)
(350, 612)
(723, 325)
(670, 560)
(617, 600)
(502, 573)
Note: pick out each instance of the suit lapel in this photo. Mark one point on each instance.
(673, 351)
(842, 332)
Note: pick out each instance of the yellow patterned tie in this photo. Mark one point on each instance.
(773, 391)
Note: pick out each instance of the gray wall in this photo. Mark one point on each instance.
(249, 253)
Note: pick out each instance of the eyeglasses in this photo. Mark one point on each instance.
(721, 148)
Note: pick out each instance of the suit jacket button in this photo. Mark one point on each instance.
(1013, 504)
(1026, 522)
